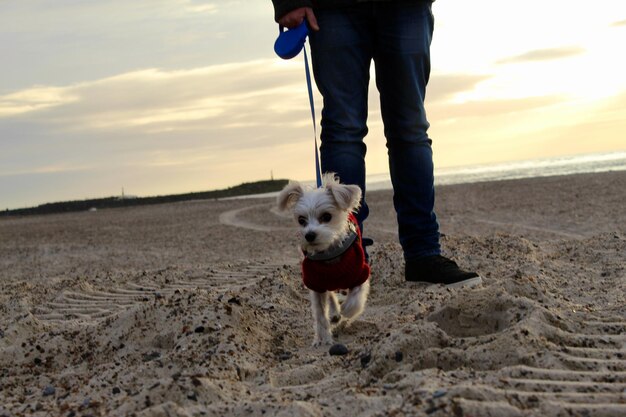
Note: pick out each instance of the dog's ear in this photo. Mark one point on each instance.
(348, 197)
(289, 195)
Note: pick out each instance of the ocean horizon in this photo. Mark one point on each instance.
(545, 167)
(532, 168)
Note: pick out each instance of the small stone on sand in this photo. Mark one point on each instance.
(338, 349)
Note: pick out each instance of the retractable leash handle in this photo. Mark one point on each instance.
(288, 45)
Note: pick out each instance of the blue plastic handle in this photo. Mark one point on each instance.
(290, 42)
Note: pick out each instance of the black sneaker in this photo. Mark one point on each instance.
(439, 270)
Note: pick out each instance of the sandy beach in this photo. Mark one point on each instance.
(197, 309)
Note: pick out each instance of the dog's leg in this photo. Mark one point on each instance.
(321, 326)
(354, 304)
(335, 310)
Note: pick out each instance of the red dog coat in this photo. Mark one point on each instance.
(343, 272)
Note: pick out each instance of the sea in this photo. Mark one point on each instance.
(546, 167)
(564, 165)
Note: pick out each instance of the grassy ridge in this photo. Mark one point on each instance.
(248, 188)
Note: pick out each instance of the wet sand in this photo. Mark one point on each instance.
(197, 308)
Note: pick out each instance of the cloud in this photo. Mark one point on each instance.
(74, 41)
(491, 108)
(34, 99)
(544, 54)
(619, 23)
(45, 170)
(443, 87)
(184, 119)
(199, 6)
(153, 100)
(179, 124)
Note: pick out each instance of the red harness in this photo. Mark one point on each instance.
(346, 271)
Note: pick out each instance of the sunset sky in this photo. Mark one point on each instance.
(172, 96)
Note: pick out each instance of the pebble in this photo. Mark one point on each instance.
(116, 390)
(199, 329)
(365, 359)
(49, 390)
(216, 327)
(147, 357)
(431, 410)
(234, 300)
(399, 356)
(338, 349)
(439, 393)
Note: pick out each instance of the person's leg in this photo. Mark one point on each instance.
(341, 54)
(402, 58)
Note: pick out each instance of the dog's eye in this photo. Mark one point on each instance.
(302, 221)
(326, 217)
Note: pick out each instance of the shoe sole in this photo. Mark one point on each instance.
(471, 282)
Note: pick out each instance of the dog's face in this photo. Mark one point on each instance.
(322, 213)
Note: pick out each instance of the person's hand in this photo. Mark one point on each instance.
(295, 17)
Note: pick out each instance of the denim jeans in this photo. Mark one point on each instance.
(396, 36)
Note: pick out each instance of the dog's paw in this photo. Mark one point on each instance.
(335, 318)
(325, 341)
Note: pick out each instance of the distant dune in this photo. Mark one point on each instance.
(248, 188)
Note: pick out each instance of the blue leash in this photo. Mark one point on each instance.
(288, 45)
(318, 171)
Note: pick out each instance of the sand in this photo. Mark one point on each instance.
(197, 308)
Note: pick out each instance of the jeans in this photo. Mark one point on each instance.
(396, 36)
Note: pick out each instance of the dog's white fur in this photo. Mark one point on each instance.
(323, 217)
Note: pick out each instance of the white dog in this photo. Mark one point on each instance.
(334, 259)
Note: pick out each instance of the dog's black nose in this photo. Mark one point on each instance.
(310, 236)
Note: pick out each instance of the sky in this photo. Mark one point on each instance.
(172, 96)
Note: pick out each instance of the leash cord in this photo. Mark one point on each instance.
(318, 173)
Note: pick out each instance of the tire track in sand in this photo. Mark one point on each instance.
(233, 218)
(89, 306)
(590, 381)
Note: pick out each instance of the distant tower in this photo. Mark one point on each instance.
(272, 175)
(122, 193)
